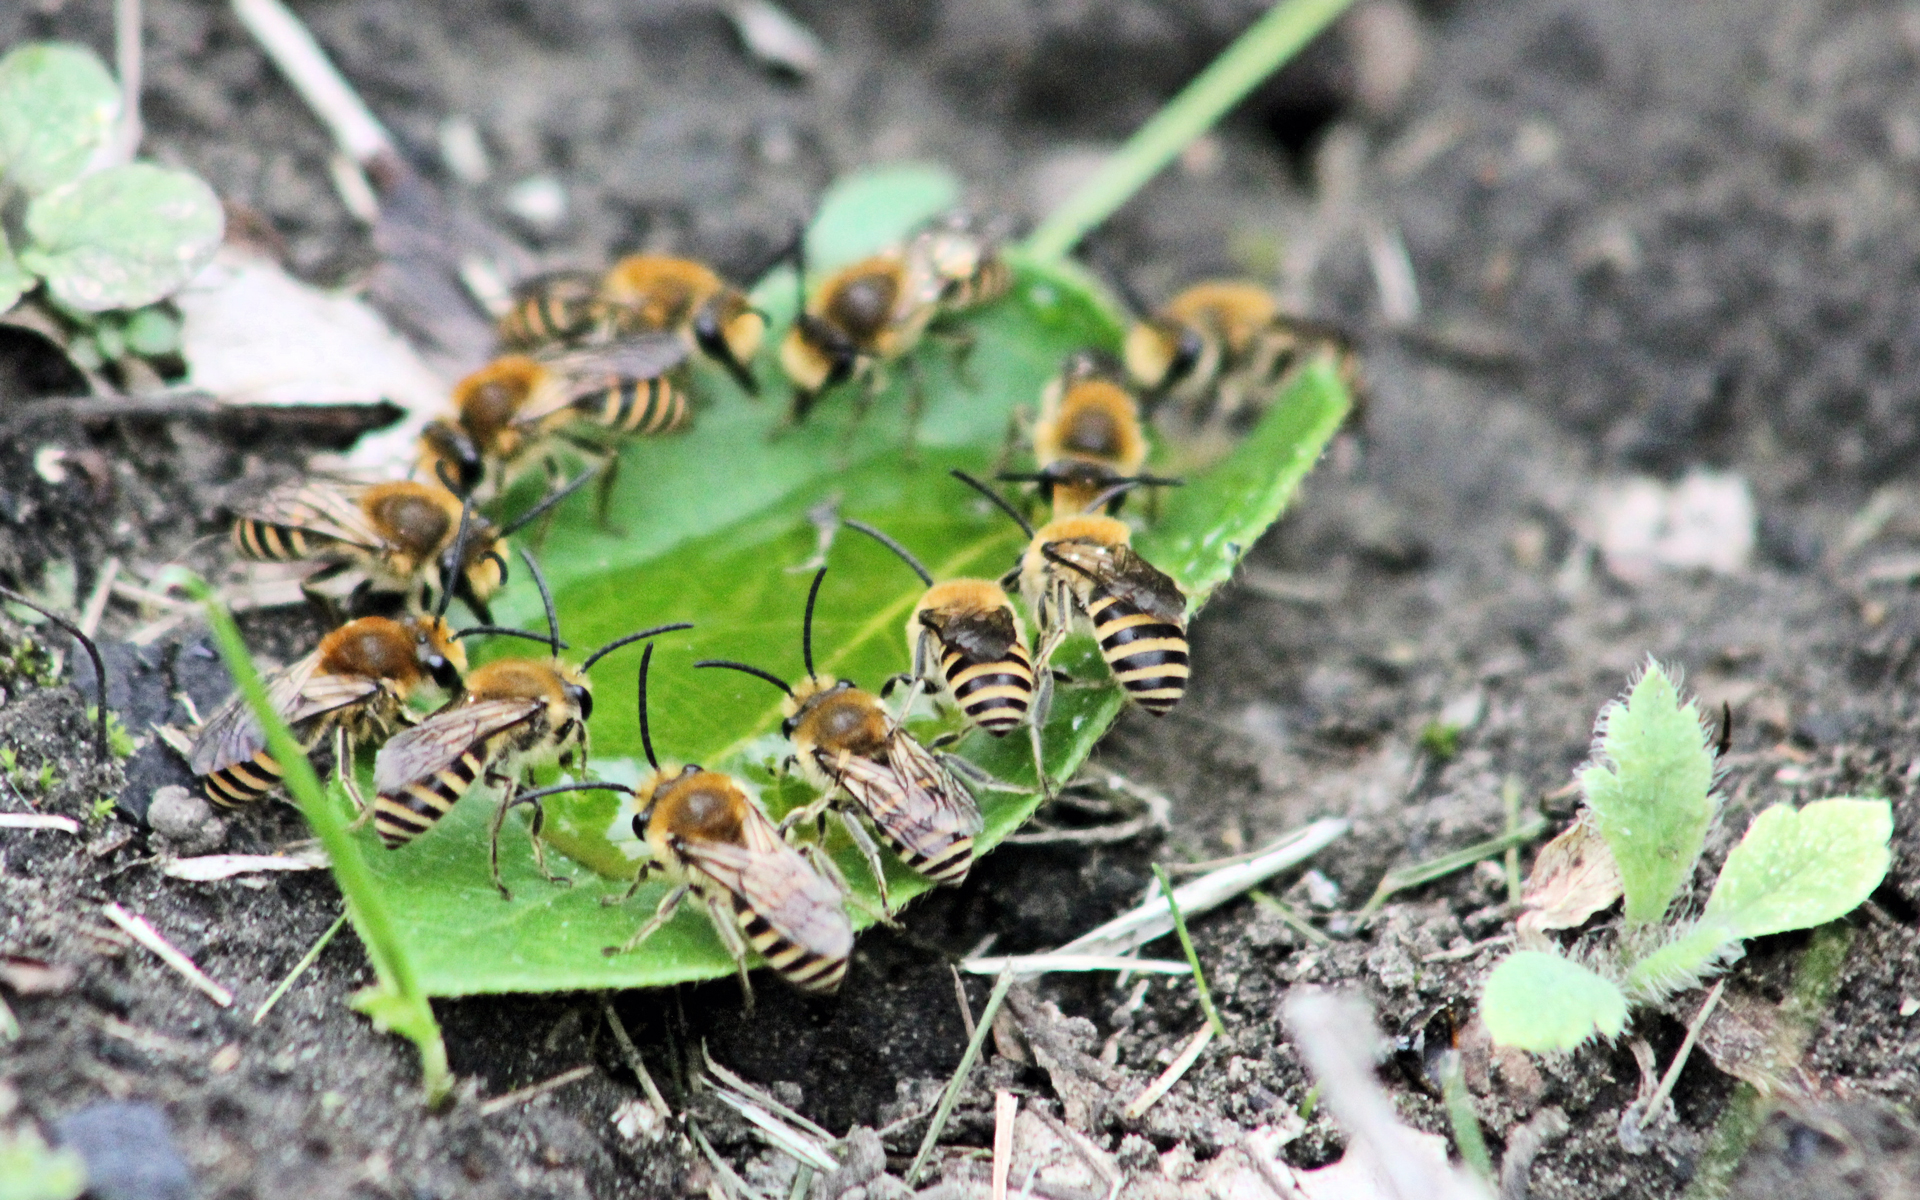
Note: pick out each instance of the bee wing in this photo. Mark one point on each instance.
(328, 693)
(1147, 586)
(983, 637)
(232, 734)
(317, 509)
(584, 372)
(912, 794)
(438, 742)
(799, 903)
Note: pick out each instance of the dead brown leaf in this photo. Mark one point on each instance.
(1573, 878)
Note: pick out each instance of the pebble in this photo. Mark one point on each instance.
(185, 819)
(129, 1153)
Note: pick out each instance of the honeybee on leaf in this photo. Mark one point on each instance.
(864, 764)
(1083, 571)
(652, 294)
(1088, 438)
(554, 309)
(514, 715)
(714, 843)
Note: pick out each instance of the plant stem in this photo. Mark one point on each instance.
(1266, 45)
(1193, 958)
(981, 1027)
(1460, 1115)
(404, 1006)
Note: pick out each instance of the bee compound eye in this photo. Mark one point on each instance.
(582, 699)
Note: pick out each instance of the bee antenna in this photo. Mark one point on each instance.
(756, 672)
(533, 514)
(441, 470)
(546, 600)
(628, 640)
(584, 785)
(1110, 269)
(1111, 494)
(999, 501)
(456, 555)
(1055, 557)
(503, 631)
(646, 734)
(892, 545)
(100, 749)
(806, 624)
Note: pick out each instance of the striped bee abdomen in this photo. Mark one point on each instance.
(796, 964)
(640, 406)
(243, 782)
(946, 863)
(1147, 654)
(406, 812)
(263, 541)
(993, 695)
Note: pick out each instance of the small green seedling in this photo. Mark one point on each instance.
(31, 1170)
(1649, 789)
(98, 235)
(119, 741)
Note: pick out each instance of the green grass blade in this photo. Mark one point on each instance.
(1266, 46)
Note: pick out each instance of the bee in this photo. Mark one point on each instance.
(1088, 437)
(396, 535)
(515, 714)
(354, 686)
(863, 763)
(651, 293)
(518, 410)
(1084, 568)
(555, 309)
(1219, 350)
(706, 835)
(961, 267)
(876, 310)
(965, 640)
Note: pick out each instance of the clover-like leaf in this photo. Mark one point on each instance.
(1795, 870)
(123, 237)
(715, 529)
(57, 107)
(1542, 1002)
(1649, 786)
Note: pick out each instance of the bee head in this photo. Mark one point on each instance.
(488, 399)
(1160, 352)
(437, 651)
(729, 330)
(449, 455)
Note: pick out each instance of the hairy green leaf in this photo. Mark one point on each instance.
(1795, 870)
(122, 237)
(869, 209)
(715, 529)
(1682, 962)
(1648, 785)
(1544, 1003)
(57, 107)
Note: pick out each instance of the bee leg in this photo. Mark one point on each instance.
(979, 777)
(1019, 431)
(875, 863)
(803, 814)
(1040, 754)
(493, 834)
(916, 404)
(343, 764)
(540, 845)
(639, 877)
(961, 343)
(669, 904)
(727, 927)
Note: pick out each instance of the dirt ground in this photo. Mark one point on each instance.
(1645, 240)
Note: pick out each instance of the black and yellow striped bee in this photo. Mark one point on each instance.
(518, 411)
(652, 294)
(850, 748)
(396, 535)
(1088, 437)
(515, 714)
(1084, 568)
(555, 309)
(876, 310)
(966, 643)
(354, 686)
(1219, 350)
(712, 841)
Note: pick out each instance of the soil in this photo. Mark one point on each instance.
(1646, 240)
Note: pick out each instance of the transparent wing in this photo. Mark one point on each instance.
(232, 735)
(318, 509)
(801, 905)
(438, 742)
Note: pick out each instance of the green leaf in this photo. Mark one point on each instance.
(14, 280)
(151, 333)
(716, 531)
(1544, 1003)
(1795, 870)
(1648, 786)
(57, 107)
(1681, 962)
(123, 237)
(869, 209)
